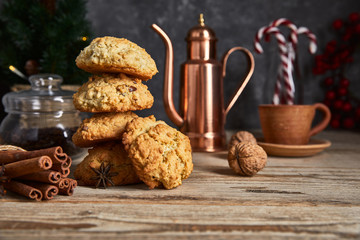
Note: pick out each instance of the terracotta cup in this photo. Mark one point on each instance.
(291, 124)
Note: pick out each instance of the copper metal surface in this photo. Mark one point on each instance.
(202, 112)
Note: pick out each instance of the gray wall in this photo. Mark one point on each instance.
(235, 23)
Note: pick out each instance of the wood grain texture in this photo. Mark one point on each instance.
(299, 198)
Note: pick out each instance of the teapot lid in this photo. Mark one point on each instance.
(201, 32)
(45, 95)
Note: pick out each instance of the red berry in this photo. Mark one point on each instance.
(330, 95)
(344, 82)
(337, 24)
(338, 104)
(342, 91)
(347, 36)
(335, 123)
(333, 42)
(317, 71)
(326, 66)
(344, 54)
(344, 45)
(336, 61)
(330, 48)
(335, 65)
(347, 107)
(357, 112)
(329, 81)
(336, 116)
(348, 122)
(353, 17)
(357, 28)
(327, 102)
(349, 59)
(319, 58)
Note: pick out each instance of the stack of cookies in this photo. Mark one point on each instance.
(132, 148)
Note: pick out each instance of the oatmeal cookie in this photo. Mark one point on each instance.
(112, 93)
(101, 127)
(160, 154)
(136, 127)
(116, 55)
(110, 153)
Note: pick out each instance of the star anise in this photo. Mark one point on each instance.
(3, 179)
(103, 175)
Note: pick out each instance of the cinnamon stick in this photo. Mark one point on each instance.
(67, 162)
(63, 183)
(55, 153)
(24, 167)
(48, 190)
(65, 173)
(23, 189)
(67, 186)
(47, 176)
(64, 167)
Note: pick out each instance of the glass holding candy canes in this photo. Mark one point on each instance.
(284, 92)
(283, 122)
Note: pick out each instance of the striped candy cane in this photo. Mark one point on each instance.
(294, 40)
(290, 69)
(278, 97)
(267, 30)
(293, 34)
(289, 96)
(311, 36)
(287, 55)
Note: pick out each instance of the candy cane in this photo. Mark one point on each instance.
(290, 68)
(294, 40)
(311, 36)
(277, 98)
(287, 55)
(268, 30)
(259, 36)
(284, 61)
(259, 49)
(293, 35)
(287, 64)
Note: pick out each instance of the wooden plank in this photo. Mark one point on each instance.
(158, 219)
(315, 197)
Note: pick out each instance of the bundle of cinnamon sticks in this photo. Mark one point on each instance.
(39, 174)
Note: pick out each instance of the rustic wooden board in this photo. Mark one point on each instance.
(314, 197)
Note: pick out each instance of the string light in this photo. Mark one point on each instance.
(17, 72)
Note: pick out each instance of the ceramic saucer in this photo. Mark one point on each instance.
(281, 150)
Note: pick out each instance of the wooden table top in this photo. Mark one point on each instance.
(314, 197)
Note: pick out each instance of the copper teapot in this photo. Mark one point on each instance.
(202, 112)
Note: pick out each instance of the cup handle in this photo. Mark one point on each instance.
(324, 122)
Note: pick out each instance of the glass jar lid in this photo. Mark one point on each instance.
(45, 95)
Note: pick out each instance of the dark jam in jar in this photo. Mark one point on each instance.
(42, 117)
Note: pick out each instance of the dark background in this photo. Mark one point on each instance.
(235, 23)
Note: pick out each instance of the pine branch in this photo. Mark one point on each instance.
(29, 31)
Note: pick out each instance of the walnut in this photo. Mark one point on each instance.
(241, 136)
(247, 158)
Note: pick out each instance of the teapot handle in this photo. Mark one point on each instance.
(250, 70)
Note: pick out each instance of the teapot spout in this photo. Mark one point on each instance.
(169, 79)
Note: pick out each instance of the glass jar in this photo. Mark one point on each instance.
(42, 117)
